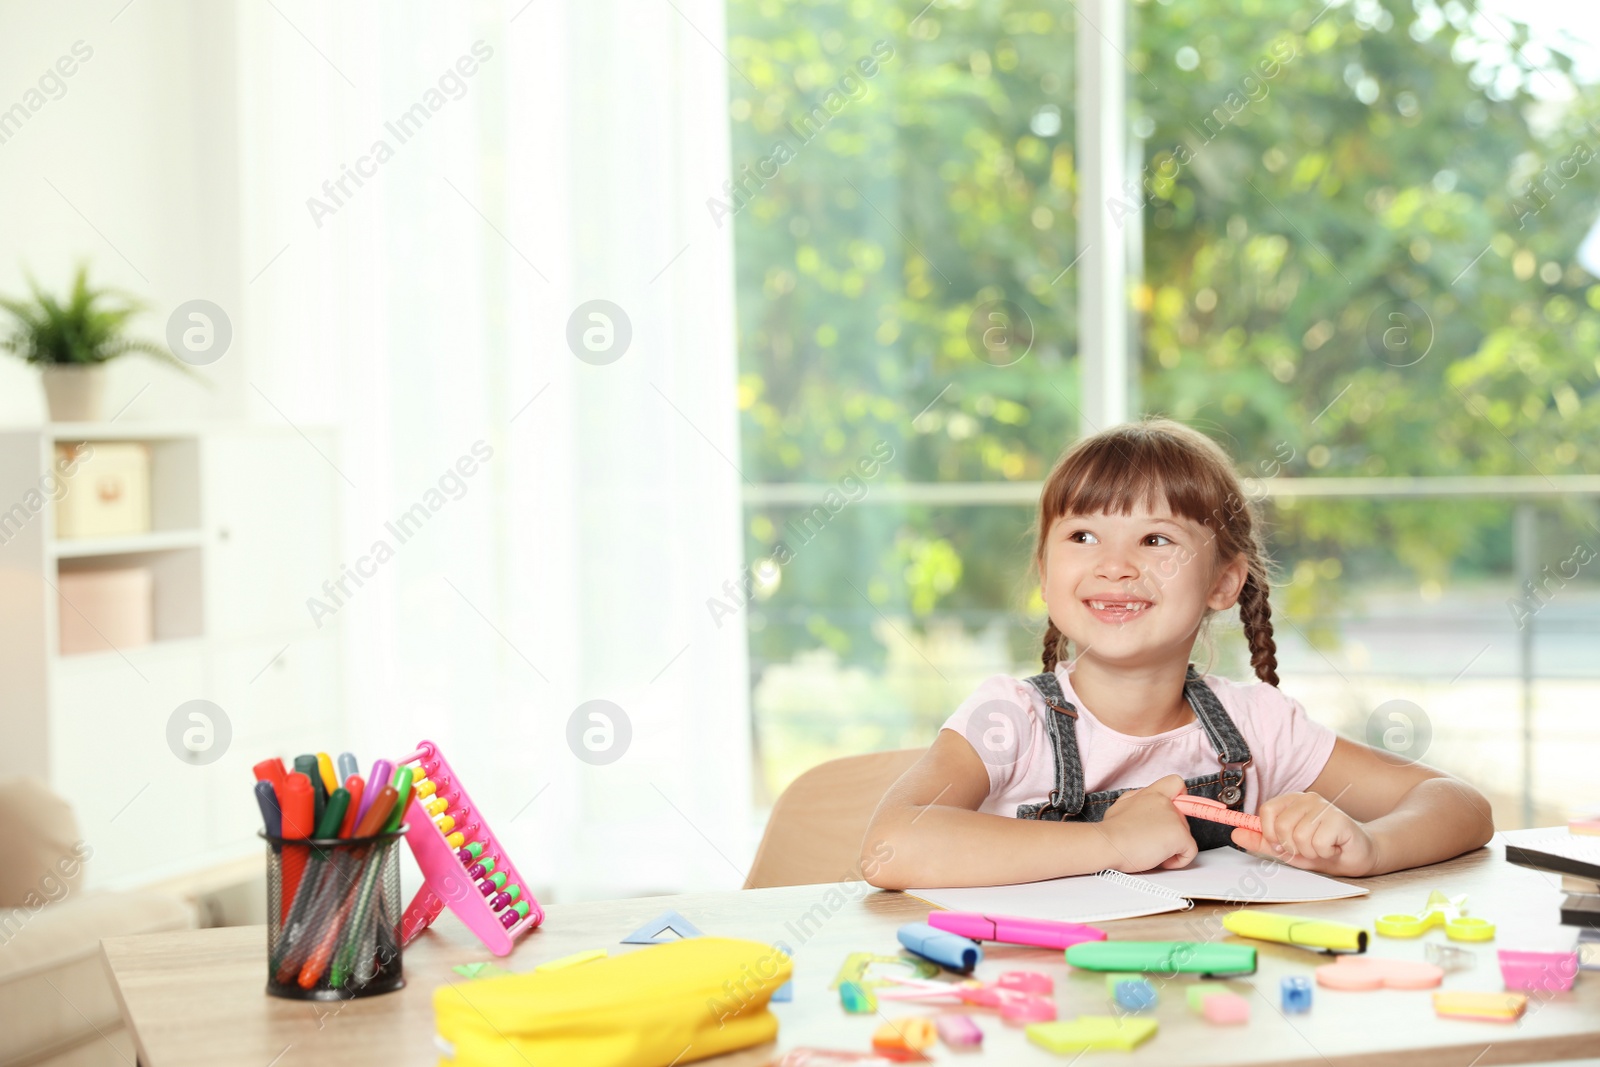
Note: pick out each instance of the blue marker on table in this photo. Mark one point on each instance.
(946, 949)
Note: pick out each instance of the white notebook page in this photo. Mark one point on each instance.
(1216, 874)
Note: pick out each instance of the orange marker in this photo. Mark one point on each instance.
(377, 813)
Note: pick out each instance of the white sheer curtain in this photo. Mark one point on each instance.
(427, 309)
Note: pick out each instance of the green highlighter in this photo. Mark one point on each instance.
(1171, 957)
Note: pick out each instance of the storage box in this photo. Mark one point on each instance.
(108, 489)
(106, 608)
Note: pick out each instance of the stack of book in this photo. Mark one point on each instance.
(1575, 858)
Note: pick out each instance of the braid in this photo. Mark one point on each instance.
(1052, 646)
(1256, 615)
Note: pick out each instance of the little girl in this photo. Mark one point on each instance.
(1143, 535)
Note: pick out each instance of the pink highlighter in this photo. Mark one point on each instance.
(1014, 931)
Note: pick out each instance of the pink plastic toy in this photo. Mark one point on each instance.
(1027, 1008)
(1370, 972)
(1014, 1005)
(925, 989)
(446, 876)
(1227, 1009)
(1538, 971)
(1026, 982)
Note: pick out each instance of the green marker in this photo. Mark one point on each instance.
(333, 814)
(1171, 957)
(307, 765)
(402, 789)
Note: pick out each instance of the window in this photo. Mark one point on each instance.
(1352, 256)
(1359, 234)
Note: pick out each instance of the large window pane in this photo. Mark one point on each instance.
(903, 223)
(1361, 230)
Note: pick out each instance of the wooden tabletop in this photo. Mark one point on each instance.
(197, 997)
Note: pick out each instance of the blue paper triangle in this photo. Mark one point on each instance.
(668, 926)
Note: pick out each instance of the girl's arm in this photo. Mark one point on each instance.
(933, 835)
(1371, 812)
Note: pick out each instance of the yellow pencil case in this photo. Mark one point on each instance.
(677, 1002)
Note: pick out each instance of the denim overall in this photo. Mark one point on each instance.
(1069, 803)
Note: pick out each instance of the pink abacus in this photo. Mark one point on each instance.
(450, 879)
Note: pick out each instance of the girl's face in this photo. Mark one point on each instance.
(1134, 588)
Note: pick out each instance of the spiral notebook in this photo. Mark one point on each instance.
(1223, 874)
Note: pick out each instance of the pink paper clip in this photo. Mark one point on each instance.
(1538, 971)
(819, 1057)
(924, 989)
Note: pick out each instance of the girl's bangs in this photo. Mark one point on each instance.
(1116, 474)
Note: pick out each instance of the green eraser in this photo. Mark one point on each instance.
(1201, 990)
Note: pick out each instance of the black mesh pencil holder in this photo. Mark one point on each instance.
(333, 917)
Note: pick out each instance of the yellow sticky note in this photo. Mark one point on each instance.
(1092, 1031)
(573, 960)
(1496, 1007)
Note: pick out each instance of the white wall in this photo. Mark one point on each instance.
(142, 152)
(419, 319)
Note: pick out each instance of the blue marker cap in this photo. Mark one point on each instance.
(346, 765)
(942, 947)
(271, 815)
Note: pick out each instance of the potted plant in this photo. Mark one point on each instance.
(73, 340)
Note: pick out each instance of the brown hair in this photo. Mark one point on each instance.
(1151, 460)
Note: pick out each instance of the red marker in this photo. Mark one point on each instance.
(354, 786)
(270, 770)
(296, 799)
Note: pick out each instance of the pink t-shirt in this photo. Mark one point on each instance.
(1004, 721)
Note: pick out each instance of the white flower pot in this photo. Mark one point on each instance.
(75, 393)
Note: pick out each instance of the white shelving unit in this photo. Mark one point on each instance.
(243, 531)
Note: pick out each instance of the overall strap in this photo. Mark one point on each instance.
(1061, 726)
(1225, 737)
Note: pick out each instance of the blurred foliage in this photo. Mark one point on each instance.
(1386, 159)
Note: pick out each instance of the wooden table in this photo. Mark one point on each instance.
(197, 997)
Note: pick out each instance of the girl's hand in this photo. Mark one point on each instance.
(1306, 830)
(1146, 829)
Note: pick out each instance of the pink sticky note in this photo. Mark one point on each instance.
(1369, 972)
(1538, 970)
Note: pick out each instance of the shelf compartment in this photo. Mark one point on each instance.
(157, 541)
